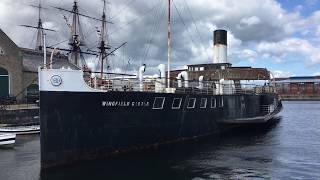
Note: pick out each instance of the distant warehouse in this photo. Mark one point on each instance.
(299, 88)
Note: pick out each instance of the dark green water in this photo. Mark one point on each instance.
(289, 149)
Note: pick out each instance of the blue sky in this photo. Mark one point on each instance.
(307, 6)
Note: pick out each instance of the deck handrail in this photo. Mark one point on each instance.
(159, 85)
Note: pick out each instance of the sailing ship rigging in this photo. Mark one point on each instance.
(77, 40)
(40, 29)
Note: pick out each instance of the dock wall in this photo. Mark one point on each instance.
(19, 116)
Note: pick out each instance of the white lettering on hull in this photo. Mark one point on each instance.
(125, 104)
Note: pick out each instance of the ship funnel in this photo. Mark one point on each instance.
(220, 46)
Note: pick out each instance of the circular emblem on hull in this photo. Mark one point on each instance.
(56, 80)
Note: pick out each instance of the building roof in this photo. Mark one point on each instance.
(300, 79)
(32, 59)
(8, 39)
(210, 65)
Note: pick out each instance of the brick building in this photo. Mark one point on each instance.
(299, 88)
(19, 67)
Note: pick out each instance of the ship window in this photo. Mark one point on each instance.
(221, 102)
(158, 103)
(176, 103)
(191, 103)
(213, 103)
(203, 103)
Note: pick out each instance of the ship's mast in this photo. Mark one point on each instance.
(169, 41)
(75, 41)
(40, 33)
(40, 30)
(104, 47)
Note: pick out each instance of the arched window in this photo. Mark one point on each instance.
(3, 71)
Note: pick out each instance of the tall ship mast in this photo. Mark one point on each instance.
(40, 30)
(76, 40)
(81, 122)
(40, 33)
(104, 47)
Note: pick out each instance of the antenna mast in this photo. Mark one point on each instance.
(169, 41)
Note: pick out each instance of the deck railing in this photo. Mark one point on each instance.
(195, 87)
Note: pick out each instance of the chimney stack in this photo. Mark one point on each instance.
(220, 46)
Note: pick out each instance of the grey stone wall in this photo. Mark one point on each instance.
(11, 60)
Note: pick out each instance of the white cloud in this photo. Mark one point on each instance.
(250, 55)
(282, 74)
(291, 46)
(256, 29)
(316, 74)
(253, 20)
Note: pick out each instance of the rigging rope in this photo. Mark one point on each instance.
(135, 19)
(183, 22)
(125, 7)
(194, 22)
(155, 29)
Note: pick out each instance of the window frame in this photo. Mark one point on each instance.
(221, 104)
(205, 104)
(194, 103)
(161, 104)
(215, 103)
(179, 103)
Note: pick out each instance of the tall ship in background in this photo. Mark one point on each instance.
(84, 117)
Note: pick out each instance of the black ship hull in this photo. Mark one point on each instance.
(79, 126)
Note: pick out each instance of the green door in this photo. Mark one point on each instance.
(4, 83)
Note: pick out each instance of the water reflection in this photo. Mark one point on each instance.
(212, 157)
(286, 148)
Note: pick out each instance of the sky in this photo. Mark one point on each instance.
(280, 35)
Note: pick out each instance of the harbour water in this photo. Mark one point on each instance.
(287, 149)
